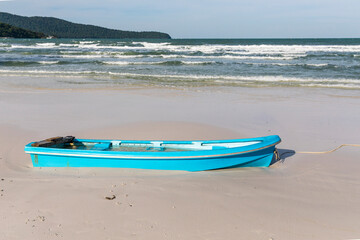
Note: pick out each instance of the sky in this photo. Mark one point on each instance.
(206, 18)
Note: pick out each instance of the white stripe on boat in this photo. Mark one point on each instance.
(150, 157)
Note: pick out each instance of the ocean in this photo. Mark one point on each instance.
(118, 63)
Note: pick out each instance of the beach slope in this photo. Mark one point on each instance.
(303, 196)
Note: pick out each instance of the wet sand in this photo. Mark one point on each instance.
(300, 197)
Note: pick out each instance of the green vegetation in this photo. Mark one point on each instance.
(7, 30)
(64, 29)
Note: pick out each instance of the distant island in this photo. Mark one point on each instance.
(59, 28)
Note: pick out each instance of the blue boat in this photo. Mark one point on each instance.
(163, 155)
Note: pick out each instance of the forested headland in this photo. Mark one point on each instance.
(60, 28)
(9, 31)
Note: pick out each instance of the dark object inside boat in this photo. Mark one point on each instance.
(53, 141)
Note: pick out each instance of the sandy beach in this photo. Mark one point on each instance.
(303, 196)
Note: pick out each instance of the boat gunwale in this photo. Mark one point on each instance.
(263, 143)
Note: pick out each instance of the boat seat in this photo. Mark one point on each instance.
(157, 145)
(101, 146)
(116, 143)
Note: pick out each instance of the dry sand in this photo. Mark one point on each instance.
(300, 197)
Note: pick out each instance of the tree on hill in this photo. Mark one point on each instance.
(65, 29)
(7, 30)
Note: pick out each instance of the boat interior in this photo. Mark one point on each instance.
(70, 142)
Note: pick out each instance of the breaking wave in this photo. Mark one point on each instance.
(332, 63)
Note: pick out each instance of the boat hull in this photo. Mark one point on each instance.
(259, 155)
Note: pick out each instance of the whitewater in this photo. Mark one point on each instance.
(87, 63)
